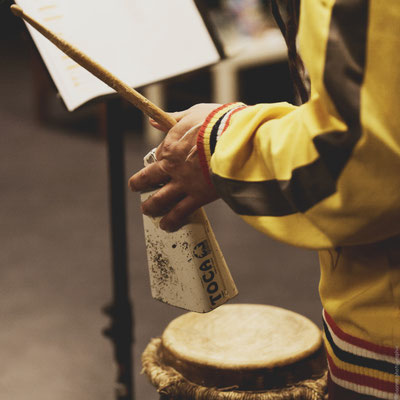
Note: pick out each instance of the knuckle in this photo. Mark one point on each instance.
(144, 176)
(156, 201)
(197, 106)
(155, 205)
(167, 147)
(166, 150)
(179, 213)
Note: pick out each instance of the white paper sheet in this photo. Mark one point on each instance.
(140, 41)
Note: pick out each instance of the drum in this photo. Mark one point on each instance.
(238, 352)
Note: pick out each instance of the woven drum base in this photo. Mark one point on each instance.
(173, 386)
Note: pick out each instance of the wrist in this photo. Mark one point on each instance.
(211, 131)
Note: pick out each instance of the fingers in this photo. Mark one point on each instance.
(178, 169)
(163, 200)
(148, 178)
(179, 215)
(156, 125)
(176, 115)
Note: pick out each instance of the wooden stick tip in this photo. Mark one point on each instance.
(17, 10)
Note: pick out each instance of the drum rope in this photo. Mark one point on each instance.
(173, 386)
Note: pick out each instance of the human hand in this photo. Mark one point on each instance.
(178, 169)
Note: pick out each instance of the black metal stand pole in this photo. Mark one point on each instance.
(120, 311)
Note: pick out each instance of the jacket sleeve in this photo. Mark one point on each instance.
(326, 173)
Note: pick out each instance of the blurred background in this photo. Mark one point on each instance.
(55, 258)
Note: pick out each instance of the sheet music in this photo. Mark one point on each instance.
(140, 41)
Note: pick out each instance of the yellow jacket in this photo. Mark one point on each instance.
(326, 175)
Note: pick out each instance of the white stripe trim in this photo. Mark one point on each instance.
(224, 120)
(364, 389)
(359, 351)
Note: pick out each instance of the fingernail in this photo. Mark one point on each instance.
(164, 226)
(144, 210)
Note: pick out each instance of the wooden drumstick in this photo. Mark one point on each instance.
(197, 299)
(134, 97)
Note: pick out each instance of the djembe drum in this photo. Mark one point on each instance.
(238, 352)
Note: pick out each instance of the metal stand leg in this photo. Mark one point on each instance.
(120, 311)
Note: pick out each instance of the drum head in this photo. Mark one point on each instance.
(247, 346)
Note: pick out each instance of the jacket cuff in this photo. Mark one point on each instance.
(209, 133)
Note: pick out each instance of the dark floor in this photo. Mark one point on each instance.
(55, 253)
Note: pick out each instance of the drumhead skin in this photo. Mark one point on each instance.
(251, 347)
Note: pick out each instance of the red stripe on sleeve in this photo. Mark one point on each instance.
(358, 379)
(389, 351)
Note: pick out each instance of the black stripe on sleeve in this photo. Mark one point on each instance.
(272, 197)
(351, 358)
(214, 134)
(253, 198)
